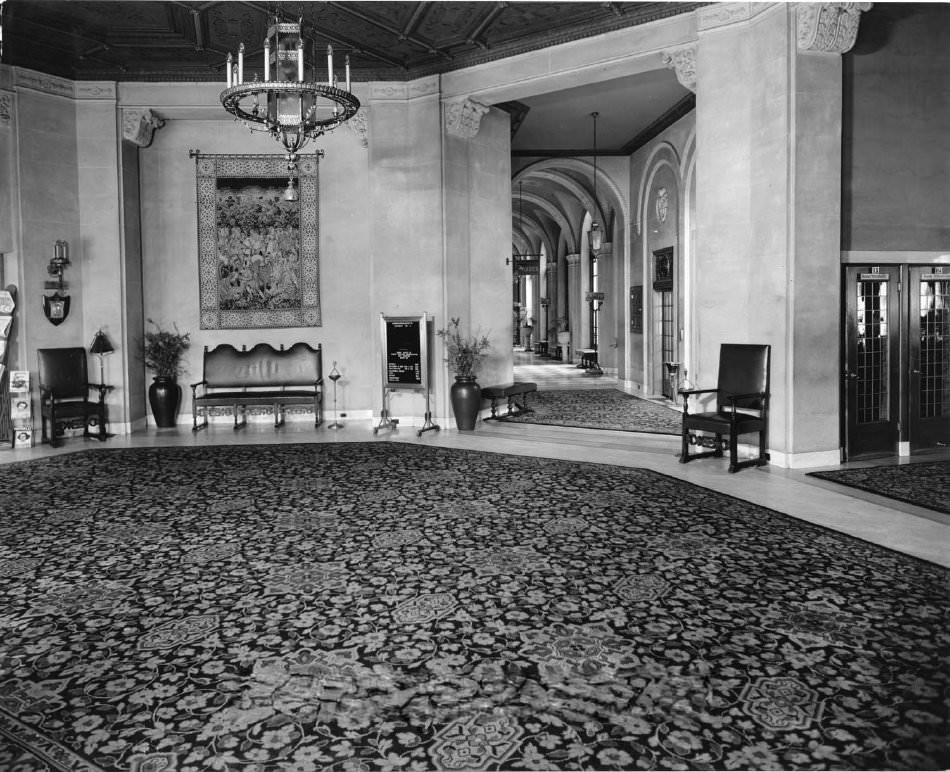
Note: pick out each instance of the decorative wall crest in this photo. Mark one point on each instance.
(683, 62)
(139, 125)
(828, 27)
(662, 204)
(463, 117)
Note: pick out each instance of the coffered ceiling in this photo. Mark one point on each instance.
(188, 41)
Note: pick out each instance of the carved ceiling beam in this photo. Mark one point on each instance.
(417, 14)
(311, 29)
(351, 11)
(483, 24)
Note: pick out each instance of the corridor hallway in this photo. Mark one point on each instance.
(554, 375)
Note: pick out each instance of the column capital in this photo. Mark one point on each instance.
(358, 126)
(139, 125)
(606, 250)
(463, 117)
(828, 27)
(683, 61)
(573, 260)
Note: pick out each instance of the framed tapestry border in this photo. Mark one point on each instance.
(304, 311)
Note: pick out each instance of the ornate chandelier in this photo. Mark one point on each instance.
(292, 104)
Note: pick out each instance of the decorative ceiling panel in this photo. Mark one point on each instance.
(129, 40)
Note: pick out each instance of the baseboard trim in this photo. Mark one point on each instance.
(805, 460)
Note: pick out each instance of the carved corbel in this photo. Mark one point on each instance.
(828, 27)
(683, 62)
(359, 126)
(463, 117)
(6, 110)
(139, 125)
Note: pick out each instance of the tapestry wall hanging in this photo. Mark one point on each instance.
(258, 254)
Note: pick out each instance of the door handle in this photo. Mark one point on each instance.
(852, 376)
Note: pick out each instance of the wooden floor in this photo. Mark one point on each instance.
(903, 527)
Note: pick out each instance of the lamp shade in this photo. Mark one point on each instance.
(101, 344)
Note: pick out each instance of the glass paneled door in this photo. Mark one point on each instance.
(896, 370)
(872, 359)
(928, 415)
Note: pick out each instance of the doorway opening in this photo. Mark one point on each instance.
(896, 359)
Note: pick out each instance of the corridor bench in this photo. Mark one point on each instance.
(260, 377)
(510, 392)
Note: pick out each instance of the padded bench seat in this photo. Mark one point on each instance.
(261, 377)
(509, 392)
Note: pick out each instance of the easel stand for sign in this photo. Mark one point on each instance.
(427, 425)
(385, 422)
(405, 347)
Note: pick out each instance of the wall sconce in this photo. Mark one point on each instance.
(545, 302)
(56, 306)
(595, 297)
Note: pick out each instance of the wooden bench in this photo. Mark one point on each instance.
(509, 392)
(260, 377)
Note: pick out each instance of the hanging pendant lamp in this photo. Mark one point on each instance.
(596, 234)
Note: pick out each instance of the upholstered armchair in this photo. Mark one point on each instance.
(65, 390)
(742, 406)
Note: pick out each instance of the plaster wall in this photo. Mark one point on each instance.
(48, 197)
(402, 258)
(8, 181)
(133, 321)
(170, 262)
(896, 186)
(97, 145)
(767, 217)
(478, 239)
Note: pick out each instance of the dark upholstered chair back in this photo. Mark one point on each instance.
(63, 372)
(743, 369)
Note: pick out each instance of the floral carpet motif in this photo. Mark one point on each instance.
(925, 484)
(599, 409)
(267, 608)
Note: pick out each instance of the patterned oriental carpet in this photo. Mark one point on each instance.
(378, 606)
(600, 409)
(926, 484)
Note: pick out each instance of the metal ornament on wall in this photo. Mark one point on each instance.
(56, 306)
(258, 265)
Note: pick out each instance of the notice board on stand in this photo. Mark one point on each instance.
(405, 352)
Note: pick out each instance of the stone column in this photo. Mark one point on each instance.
(576, 305)
(768, 133)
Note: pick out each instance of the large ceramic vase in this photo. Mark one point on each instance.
(466, 396)
(164, 396)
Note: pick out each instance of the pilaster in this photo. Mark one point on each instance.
(768, 192)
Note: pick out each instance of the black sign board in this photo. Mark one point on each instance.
(405, 352)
